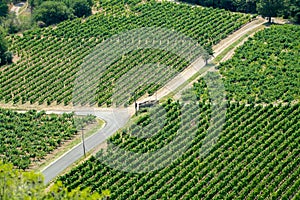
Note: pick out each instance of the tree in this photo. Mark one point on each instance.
(90, 2)
(292, 10)
(55, 11)
(16, 184)
(3, 45)
(8, 57)
(5, 56)
(11, 23)
(52, 12)
(32, 4)
(3, 8)
(248, 6)
(206, 56)
(81, 8)
(270, 8)
(227, 4)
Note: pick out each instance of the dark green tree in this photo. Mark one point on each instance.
(270, 8)
(52, 12)
(292, 10)
(247, 6)
(34, 3)
(3, 46)
(90, 2)
(3, 8)
(81, 8)
(8, 57)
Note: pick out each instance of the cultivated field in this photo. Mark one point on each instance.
(233, 134)
(51, 57)
(266, 68)
(30, 136)
(255, 155)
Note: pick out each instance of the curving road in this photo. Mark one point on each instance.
(114, 118)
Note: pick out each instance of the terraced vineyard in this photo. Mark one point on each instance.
(51, 57)
(30, 136)
(266, 68)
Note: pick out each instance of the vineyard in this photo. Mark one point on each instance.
(30, 136)
(50, 58)
(233, 134)
(266, 68)
(256, 155)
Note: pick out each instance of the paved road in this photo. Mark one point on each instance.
(114, 119)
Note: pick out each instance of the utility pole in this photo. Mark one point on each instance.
(134, 98)
(135, 104)
(83, 145)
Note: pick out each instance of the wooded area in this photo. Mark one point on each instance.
(267, 8)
